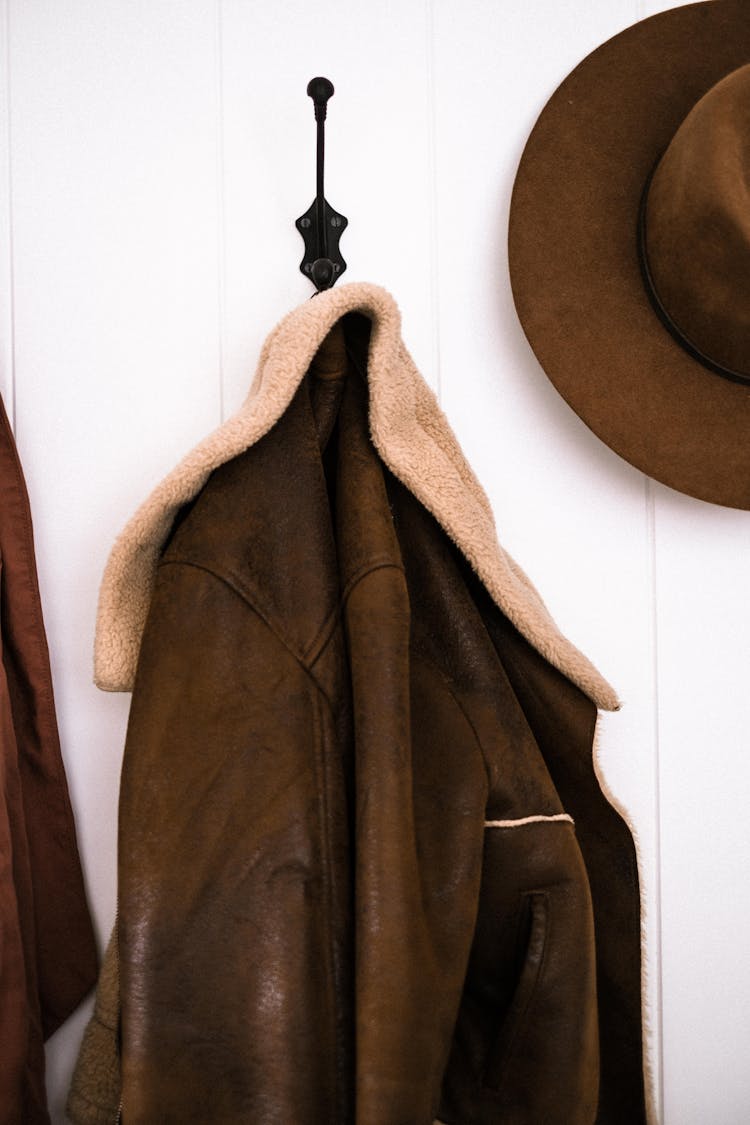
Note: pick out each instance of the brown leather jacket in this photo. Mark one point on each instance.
(366, 872)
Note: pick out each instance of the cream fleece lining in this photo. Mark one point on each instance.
(412, 436)
(528, 820)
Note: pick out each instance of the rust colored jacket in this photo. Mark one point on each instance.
(366, 873)
(47, 953)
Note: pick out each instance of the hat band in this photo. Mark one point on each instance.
(675, 331)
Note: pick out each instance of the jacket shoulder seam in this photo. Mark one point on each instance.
(322, 638)
(237, 588)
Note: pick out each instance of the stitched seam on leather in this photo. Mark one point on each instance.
(325, 635)
(325, 839)
(235, 583)
(322, 638)
(243, 597)
(328, 629)
(364, 570)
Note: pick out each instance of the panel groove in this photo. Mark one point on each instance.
(434, 264)
(7, 371)
(221, 265)
(656, 1023)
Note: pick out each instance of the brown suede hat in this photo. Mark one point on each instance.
(629, 246)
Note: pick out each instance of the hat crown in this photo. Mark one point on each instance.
(697, 228)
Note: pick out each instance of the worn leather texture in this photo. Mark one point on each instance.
(351, 889)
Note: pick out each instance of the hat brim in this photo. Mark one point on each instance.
(574, 266)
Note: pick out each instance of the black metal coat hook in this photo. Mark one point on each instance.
(321, 227)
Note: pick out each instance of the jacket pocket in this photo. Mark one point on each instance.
(525, 1045)
(534, 929)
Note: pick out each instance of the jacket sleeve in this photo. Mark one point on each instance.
(219, 846)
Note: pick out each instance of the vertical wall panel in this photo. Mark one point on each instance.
(574, 515)
(377, 161)
(6, 287)
(704, 710)
(114, 204)
(703, 626)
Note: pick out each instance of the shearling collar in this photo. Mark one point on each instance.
(412, 436)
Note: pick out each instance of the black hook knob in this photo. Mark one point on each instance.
(323, 273)
(320, 90)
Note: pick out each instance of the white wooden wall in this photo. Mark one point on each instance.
(153, 157)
